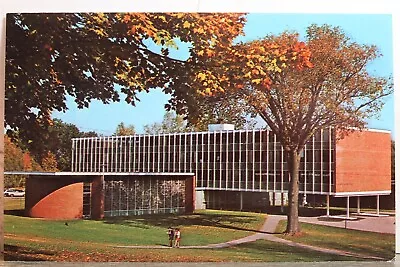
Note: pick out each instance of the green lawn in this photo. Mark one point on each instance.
(203, 227)
(89, 240)
(369, 243)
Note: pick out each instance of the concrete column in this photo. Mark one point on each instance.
(348, 207)
(358, 205)
(241, 200)
(327, 205)
(199, 200)
(377, 204)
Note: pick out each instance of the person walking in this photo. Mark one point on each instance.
(177, 237)
(171, 235)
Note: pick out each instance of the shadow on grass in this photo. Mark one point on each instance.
(18, 212)
(197, 219)
(16, 253)
(306, 211)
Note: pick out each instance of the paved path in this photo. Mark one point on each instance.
(267, 233)
(364, 223)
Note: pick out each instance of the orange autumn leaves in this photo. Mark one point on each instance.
(252, 64)
(215, 63)
(205, 31)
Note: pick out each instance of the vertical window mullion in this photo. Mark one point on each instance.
(330, 158)
(154, 153)
(321, 162)
(247, 160)
(158, 152)
(148, 153)
(220, 159)
(282, 168)
(184, 155)
(208, 159)
(139, 153)
(233, 159)
(214, 159)
(134, 155)
(240, 159)
(274, 161)
(260, 160)
(226, 159)
(129, 154)
(112, 155)
(169, 152)
(254, 157)
(174, 155)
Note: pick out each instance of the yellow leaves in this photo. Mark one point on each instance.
(162, 18)
(199, 30)
(256, 81)
(209, 53)
(180, 15)
(250, 64)
(186, 24)
(117, 60)
(201, 76)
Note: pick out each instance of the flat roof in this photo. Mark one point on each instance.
(212, 132)
(100, 173)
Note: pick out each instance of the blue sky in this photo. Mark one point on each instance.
(361, 28)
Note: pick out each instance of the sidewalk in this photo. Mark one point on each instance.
(364, 223)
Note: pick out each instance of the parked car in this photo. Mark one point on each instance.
(13, 192)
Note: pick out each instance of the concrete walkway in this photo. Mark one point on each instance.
(363, 223)
(268, 229)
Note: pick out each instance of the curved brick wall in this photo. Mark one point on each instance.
(53, 198)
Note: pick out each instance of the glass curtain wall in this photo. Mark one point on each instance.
(240, 160)
(126, 196)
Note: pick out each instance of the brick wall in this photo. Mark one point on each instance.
(363, 162)
(53, 198)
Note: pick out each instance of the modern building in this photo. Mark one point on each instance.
(221, 168)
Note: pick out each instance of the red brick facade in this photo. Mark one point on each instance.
(190, 194)
(363, 162)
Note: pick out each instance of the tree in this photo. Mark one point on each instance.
(85, 55)
(124, 130)
(49, 162)
(55, 142)
(171, 123)
(300, 88)
(220, 108)
(15, 159)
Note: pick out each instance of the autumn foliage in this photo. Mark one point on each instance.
(85, 55)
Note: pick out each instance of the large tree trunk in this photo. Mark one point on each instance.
(293, 225)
